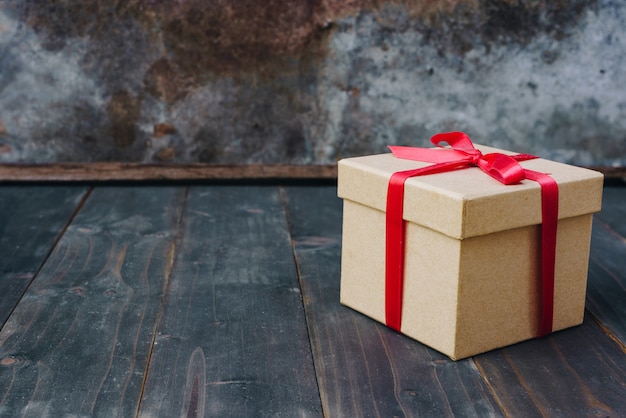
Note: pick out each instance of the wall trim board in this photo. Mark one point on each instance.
(113, 171)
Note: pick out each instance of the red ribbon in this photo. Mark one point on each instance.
(462, 154)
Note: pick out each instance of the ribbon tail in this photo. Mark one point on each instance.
(549, 218)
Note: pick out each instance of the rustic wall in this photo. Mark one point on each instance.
(308, 81)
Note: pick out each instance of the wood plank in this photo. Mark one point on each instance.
(606, 290)
(32, 218)
(365, 369)
(78, 342)
(137, 171)
(579, 372)
(233, 341)
(613, 211)
(606, 287)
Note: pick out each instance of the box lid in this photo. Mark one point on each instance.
(466, 203)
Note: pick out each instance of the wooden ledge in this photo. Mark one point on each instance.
(140, 172)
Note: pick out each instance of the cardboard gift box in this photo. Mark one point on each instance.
(472, 250)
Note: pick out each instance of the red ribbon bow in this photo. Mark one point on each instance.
(462, 154)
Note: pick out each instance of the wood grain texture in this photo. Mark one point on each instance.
(365, 369)
(614, 209)
(137, 171)
(233, 341)
(579, 372)
(198, 288)
(31, 220)
(79, 341)
(606, 289)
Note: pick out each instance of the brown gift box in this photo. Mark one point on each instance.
(472, 250)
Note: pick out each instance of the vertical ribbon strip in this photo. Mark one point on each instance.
(462, 154)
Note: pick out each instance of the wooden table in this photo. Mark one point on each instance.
(222, 300)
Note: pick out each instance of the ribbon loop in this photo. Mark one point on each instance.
(502, 167)
(462, 154)
(459, 140)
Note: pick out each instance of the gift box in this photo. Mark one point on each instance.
(474, 250)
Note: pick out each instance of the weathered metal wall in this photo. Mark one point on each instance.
(309, 81)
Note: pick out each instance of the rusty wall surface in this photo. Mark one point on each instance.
(308, 81)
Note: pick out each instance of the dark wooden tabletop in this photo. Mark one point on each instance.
(222, 300)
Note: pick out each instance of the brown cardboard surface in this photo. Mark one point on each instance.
(471, 275)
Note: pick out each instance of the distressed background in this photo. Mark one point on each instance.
(308, 81)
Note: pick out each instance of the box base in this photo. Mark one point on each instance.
(465, 297)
